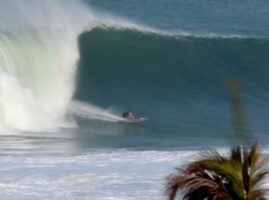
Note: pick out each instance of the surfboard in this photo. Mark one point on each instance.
(136, 120)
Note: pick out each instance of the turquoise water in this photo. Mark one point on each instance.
(68, 69)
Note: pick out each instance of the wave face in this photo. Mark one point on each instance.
(175, 81)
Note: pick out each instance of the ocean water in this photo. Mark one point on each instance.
(68, 69)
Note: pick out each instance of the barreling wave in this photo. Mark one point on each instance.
(122, 64)
(171, 78)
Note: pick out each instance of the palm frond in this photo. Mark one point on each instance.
(216, 177)
(198, 186)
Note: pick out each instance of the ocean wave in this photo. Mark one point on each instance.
(168, 78)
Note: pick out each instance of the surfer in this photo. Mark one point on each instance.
(128, 115)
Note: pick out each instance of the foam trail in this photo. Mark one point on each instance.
(92, 112)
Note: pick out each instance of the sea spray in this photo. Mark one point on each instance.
(38, 60)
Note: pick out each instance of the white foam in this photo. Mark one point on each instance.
(94, 175)
(19, 105)
(38, 62)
